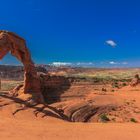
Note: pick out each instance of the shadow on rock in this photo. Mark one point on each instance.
(53, 87)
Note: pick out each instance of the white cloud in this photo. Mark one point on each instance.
(74, 64)
(61, 64)
(111, 43)
(91, 64)
(118, 63)
(84, 63)
(113, 63)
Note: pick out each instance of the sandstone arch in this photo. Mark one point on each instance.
(10, 42)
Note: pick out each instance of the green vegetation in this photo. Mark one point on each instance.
(107, 75)
(115, 85)
(124, 84)
(104, 118)
(133, 120)
(9, 85)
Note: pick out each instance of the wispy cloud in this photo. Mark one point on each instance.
(118, 63)
(113, 63)
(124, 63)
(111, 43)
(91, 64)
(77, 64)
(61, 64)
(84, 63)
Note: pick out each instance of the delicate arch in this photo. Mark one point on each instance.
(10, 42)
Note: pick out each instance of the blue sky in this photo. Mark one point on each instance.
(100, 32)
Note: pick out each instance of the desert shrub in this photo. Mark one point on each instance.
(128, 103)
(123, 80)
(104, 118)
(114, 119)
(133, 120)
(124, 84)
(104, 89)
(115, 85)
(113, 109)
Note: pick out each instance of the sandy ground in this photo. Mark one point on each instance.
(24, 125)
(13, 129)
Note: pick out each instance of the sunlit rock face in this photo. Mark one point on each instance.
(10, 42)
(135, 81)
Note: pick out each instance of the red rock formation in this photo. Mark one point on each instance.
(10, 42)
(135, 81)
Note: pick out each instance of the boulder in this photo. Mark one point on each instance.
(135, 81)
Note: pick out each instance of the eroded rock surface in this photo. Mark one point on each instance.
(10, 42)
(135, 81)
